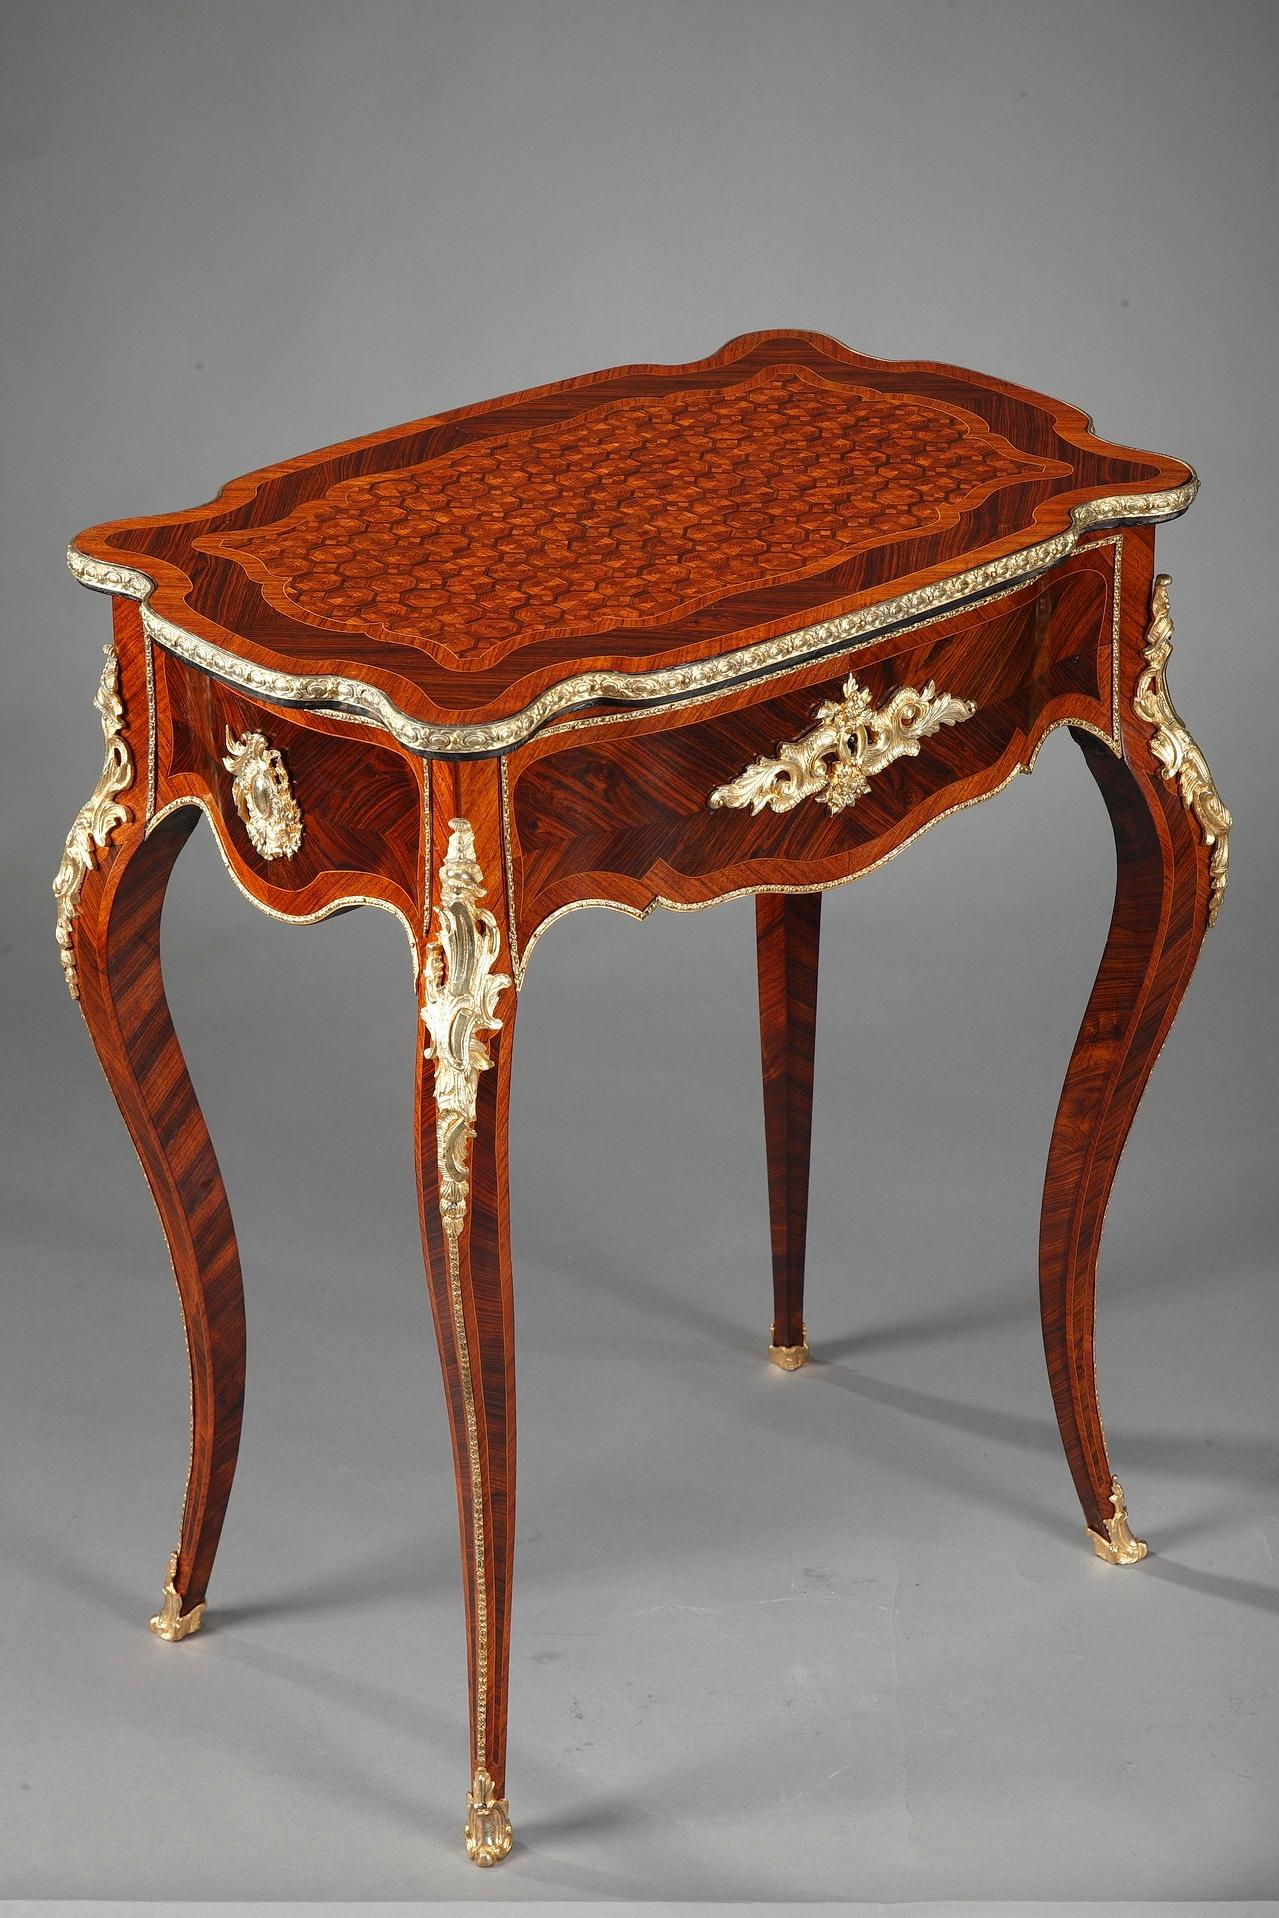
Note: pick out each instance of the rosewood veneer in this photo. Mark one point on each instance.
(658, 635)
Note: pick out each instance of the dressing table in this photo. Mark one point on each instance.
(660, 635)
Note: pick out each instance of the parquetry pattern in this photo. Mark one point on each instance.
(626, 514)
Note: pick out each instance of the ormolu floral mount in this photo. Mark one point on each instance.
(657, 636)
(836, 759)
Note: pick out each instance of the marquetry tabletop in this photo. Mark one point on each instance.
(628, 535)
(655, 636)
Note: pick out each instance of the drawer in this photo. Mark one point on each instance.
(589, 804)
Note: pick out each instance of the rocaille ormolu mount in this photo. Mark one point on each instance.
(661, 635)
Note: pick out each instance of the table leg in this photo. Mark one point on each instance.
(463, 1094)
(787, 934)
(1171, 834)
(113, 960)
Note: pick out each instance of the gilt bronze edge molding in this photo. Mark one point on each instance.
(342, 697)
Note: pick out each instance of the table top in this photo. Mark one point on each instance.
(625, 536)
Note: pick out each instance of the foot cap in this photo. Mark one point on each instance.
(488, 1822)
(790, 1357)
(1118, 1547)
(171, 1623)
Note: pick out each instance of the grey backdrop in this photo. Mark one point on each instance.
(860, 1649)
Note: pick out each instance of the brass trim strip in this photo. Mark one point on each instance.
(508, 866)
(479, 1547)
(148, 658)
(337, 692)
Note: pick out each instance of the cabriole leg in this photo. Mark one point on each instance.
(463, 1089)
(1171, 836)
(787, 934)
(110, 891)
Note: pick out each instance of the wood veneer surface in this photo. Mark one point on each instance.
(630, 519)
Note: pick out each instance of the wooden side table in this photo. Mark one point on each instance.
(655, 636)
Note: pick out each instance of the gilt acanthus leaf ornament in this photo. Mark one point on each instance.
(488, 1822)
(1177, 752)
(852, 740)
(1118, 1546)
(97, 819)
(460, 995)
(171, 1623)
(263, 796)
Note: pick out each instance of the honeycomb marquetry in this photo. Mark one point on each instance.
(638, 511)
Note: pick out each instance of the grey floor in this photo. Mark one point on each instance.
(648, 1908)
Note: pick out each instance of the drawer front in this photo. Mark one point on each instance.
(302, 806)
(624, 812)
